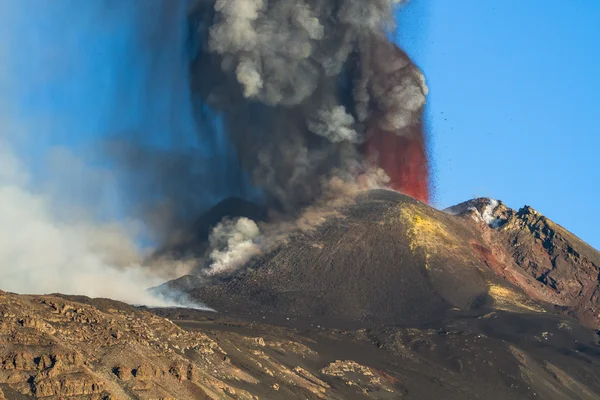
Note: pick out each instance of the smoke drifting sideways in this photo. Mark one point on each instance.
(45, 252)
(74, 76)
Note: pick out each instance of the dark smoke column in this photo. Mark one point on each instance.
(308, 90)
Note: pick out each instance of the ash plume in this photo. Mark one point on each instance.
(303, 86)
(306, 93)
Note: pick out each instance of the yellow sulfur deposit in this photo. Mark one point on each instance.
(510, 300)
(425, 233)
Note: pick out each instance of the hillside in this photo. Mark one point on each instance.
(388, 298)
(58, 347)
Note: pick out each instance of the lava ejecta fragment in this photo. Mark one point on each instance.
(403, 158)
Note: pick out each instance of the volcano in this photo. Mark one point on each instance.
(475, 301)
(386, 298)
(376, 263)
(390, 259)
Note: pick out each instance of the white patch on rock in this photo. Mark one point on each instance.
(488, 214)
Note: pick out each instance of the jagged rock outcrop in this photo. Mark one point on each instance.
(541, 257)
(57, 347)
(68, 347)
(52, 347)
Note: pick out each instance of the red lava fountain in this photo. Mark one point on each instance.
(403, 158)
(400, 153)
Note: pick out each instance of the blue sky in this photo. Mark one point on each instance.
(74, 73)
(514, 91)
(80, 71)
(514, 102)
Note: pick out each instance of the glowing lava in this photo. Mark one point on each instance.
(403, 158)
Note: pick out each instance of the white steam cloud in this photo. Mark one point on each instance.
(45, 249)
(60, 228)
(234, 242)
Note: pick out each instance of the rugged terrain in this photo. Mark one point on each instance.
(540, 257)
(387, 299)
(66, 347)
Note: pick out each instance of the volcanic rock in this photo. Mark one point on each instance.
(70, 351)
(388, 298)
(542, 258)
(387, 259)
(384, 260)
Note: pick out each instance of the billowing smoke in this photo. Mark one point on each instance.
(304, 93)
(233, 243)
(309, 88)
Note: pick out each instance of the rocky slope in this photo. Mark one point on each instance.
(382, 261)
(53, 347)
(57, 347)
(540, 257)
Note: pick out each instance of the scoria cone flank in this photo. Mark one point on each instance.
(389, 259)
